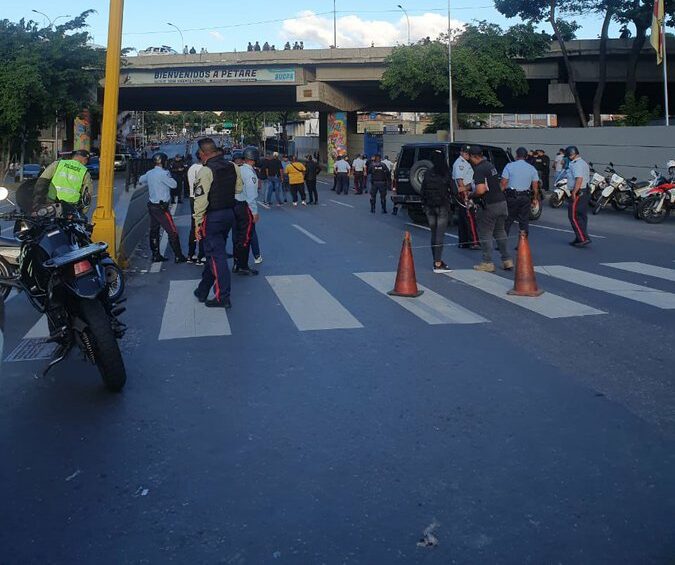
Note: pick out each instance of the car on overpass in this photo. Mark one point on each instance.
(414, 160)
(163, 50)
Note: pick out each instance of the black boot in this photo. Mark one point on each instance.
(372, 206)
(384, 207)
(154, 249)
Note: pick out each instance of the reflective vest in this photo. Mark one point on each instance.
(66, 184)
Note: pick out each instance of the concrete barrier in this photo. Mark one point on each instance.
(133, 222)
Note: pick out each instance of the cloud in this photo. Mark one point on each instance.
(354, 31)
(217, 35)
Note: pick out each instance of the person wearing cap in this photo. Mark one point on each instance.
(520, 183)
(245, 210)
(462, 176)
(192, 241)
(67, 181)
(491, 211)
(578, 175)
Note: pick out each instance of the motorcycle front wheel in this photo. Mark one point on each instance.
(602, 202)
(5, 272)
(103, 345)
(555, 201)
(647, 210)
(619, 206)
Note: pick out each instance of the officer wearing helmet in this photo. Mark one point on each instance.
(160, 183)
(245, 209)
(578, 175)
(671, 169)
(67, 181)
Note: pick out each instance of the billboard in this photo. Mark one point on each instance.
(209, 75)
(337, 136)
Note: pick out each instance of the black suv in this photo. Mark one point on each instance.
(413, 162)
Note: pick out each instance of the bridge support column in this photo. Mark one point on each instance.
(323, 137)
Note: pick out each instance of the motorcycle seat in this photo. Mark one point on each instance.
(9, 242)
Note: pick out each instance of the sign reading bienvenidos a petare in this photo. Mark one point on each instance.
(209, 75)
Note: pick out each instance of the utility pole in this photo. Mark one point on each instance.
(452, 128)
(104, 215)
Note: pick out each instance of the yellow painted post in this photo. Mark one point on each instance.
(104, 215)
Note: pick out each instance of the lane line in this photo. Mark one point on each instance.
(341, 203)
(185, 317)
(533, 225)
(157, 267)
(636, 292)
(429, 229)
(430, 307)
(644, 269)
(309, 234)
(39, 330)
(310, 305)
(548, 304)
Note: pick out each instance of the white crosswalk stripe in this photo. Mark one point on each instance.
(431, 307)
(645, 269)
(548, 304)
(636, 292)
(185, 317)
(310, 305)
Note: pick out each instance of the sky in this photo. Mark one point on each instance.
(211, 24)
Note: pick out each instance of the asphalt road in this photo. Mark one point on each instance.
(320, 421)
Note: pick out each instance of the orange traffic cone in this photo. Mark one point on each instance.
(406, 282)
(525, 283)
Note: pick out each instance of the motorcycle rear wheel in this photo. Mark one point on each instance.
(107, 355)
(647, 212)
(5, 272)
(555, 201)
(114, 277)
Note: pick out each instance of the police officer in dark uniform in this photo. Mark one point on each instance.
(380, 178)
(215, 189)
(178, 170)
(520, 183)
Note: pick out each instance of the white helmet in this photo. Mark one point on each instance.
(670, 164)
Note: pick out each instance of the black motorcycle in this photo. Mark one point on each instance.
(66, 281)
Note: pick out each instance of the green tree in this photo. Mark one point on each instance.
(637, 111)
(483, 62)
(44, 72)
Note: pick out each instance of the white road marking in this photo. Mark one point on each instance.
(430, 307)
(185, 317)
(644, 269)
(533, 225)
(262, 204)
(548, 305)
(644, 294)
(310, 305)
(39, 330)
(429, 229)
(8, 229)
(309, 234)
(157, 267)
(342, 203)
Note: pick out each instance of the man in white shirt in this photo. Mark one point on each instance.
(342, 169)
(359, 168)
(192, 242)
(246, 212)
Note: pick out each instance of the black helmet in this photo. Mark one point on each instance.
(81, 153)
(251, 153)
(237, 154)
(160, 159)
(571, 151)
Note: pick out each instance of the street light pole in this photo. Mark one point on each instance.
(104, 215)
(51, 22)
(407, 19)
(182, 41)
(334, 26)
(452, 128)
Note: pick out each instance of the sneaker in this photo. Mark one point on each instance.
(222, 303)
(200, 261)
(507, 264)
(304, 203)
(158, 258)
(474, 247)
(485, 267)
(582, 243)
(574, 243)
(278, 205)
(258, 259)
(295, 204)
(247, 272)
(442, 268)
(191, 259)
(180, 259)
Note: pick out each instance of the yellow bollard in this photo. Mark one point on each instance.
(104, 215)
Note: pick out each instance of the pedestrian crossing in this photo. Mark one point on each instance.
(311, 307)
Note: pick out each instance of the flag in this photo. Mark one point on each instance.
(656, 38)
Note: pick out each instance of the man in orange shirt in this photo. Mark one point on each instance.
(296, 179)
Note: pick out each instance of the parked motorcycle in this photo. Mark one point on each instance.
(561, 193)
(619, 192)
(67, 282)
(655, 207)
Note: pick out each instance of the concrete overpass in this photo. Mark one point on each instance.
(349, 80)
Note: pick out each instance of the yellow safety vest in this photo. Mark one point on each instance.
(66, 184)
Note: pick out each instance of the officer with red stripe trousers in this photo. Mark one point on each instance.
(578, 175)
(246, 211)
(160, 183)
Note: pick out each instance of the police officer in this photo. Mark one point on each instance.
(215, 190)
(177, 168)
(380, 179)
(578, 175)
(520, 183)
(245, 209)
(67, 181)
(160, 184)
(462, 176)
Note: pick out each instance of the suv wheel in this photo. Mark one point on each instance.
(417, 173)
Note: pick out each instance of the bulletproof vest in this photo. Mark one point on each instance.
(221, 193)
(378, 172)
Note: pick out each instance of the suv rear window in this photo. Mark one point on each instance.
(426, 153)
(499, 159)
(407, 158)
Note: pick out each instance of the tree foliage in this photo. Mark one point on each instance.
(483, 62)
(44, 72)
(637, 111)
